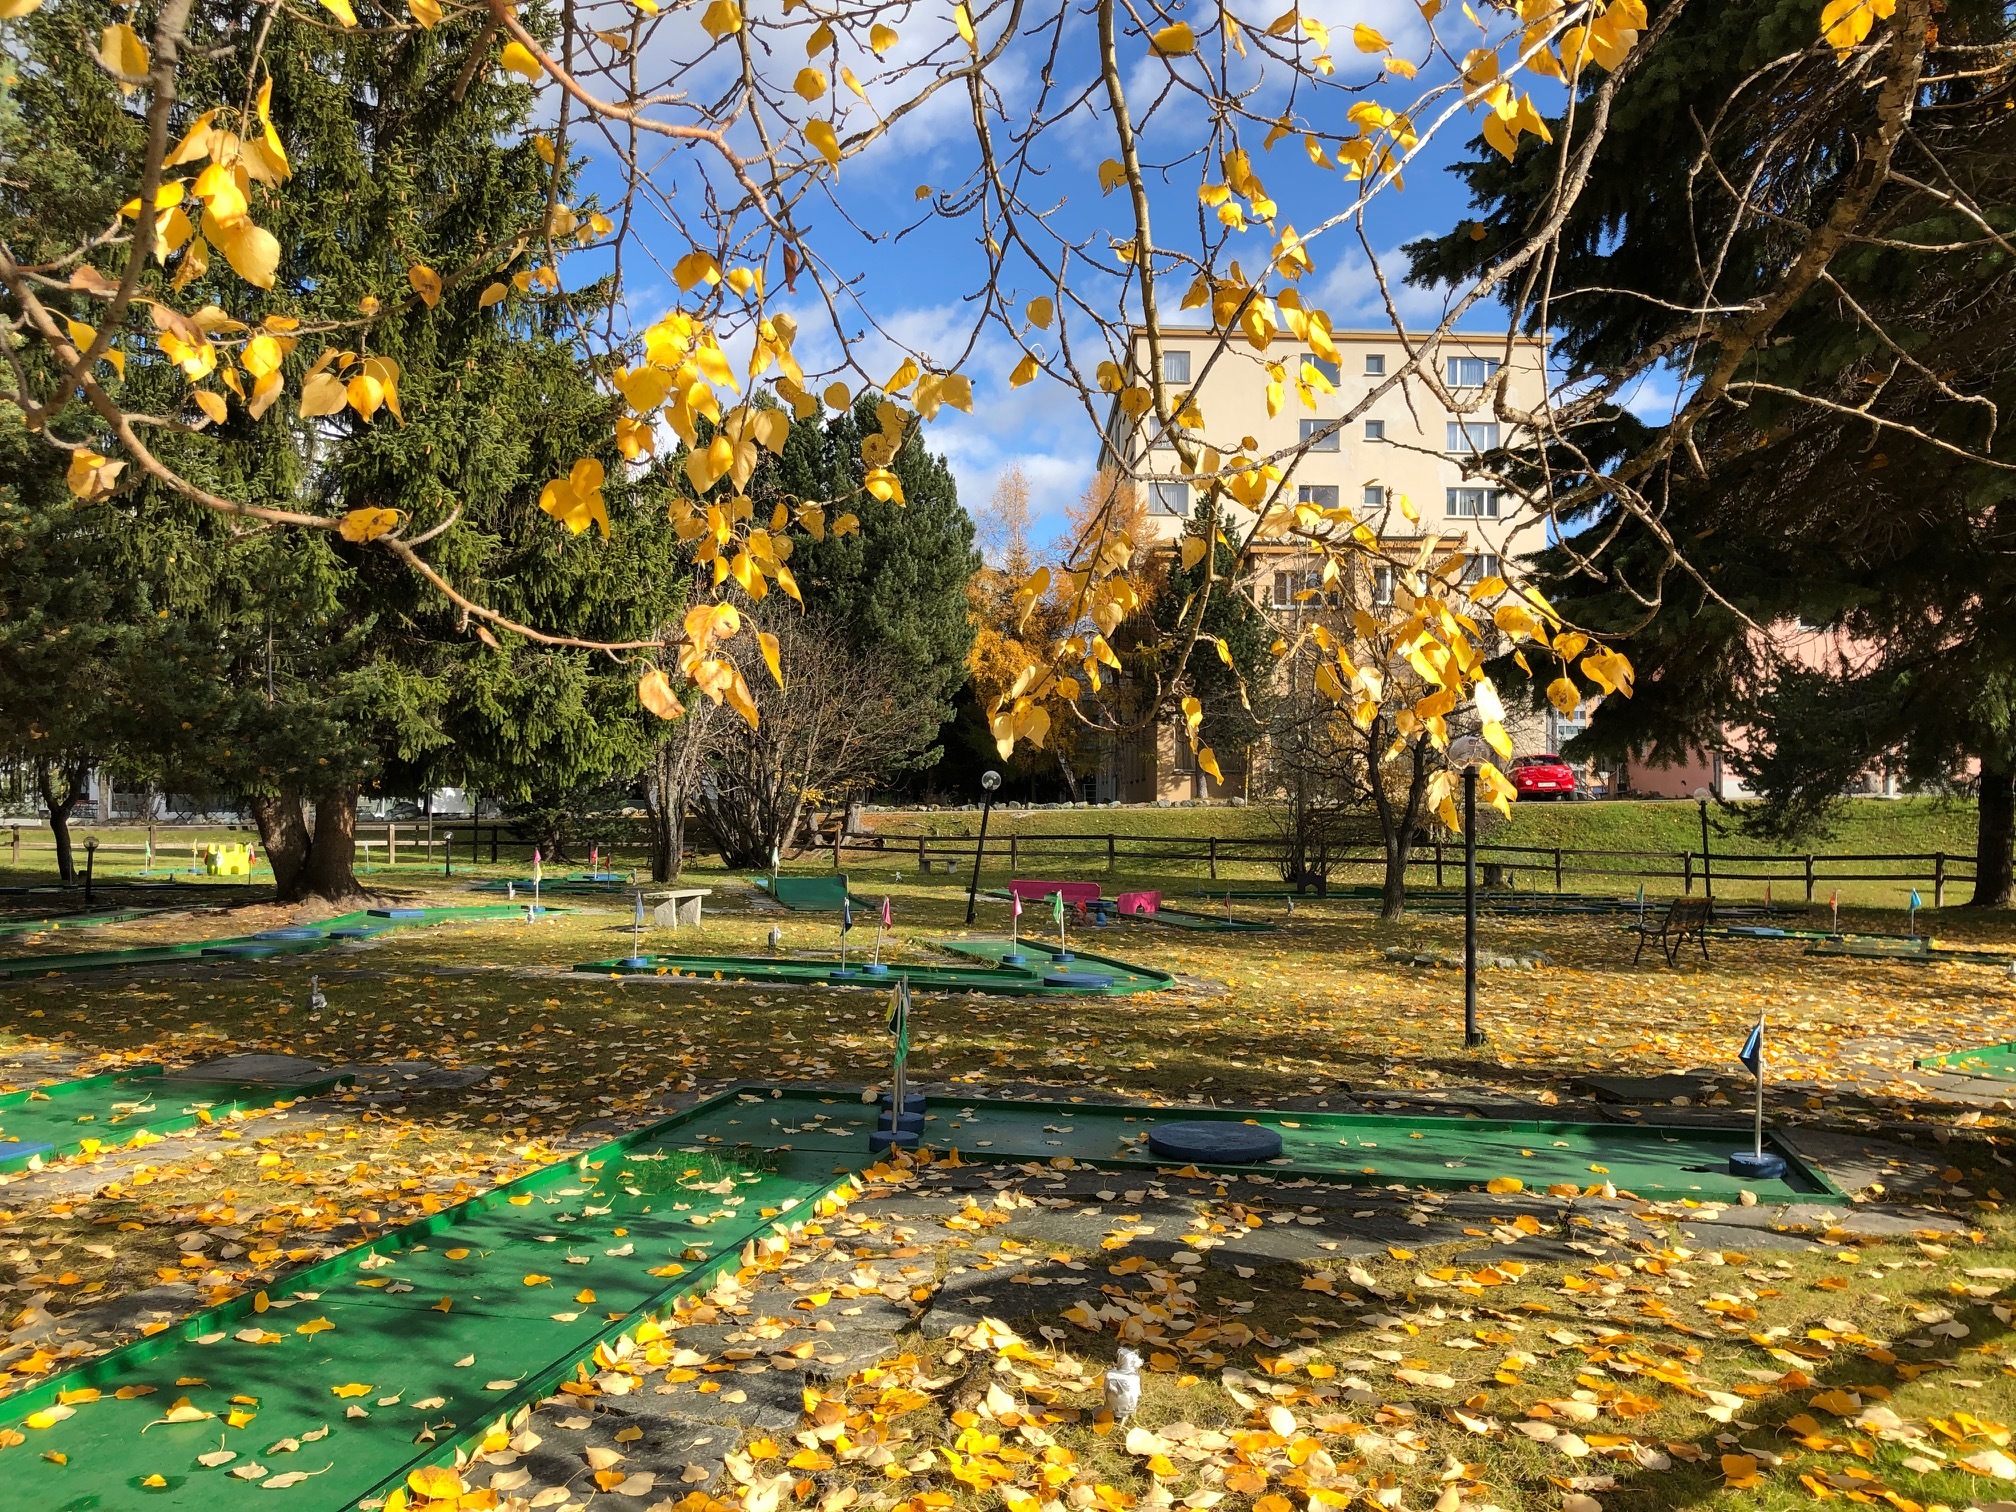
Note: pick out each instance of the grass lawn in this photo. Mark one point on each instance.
(1657, 1354)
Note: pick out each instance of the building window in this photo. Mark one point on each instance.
(1320, 435)
(1375, 495)
(1472, 437)
(1480, 565)
(1322, 495)
(1375, 364)
(1473, 503)
(1170, 499)
(1330, 370)
(1382, 587)
(1297, 590)
(1471, 372)
(1175, 366)
(1375, 430)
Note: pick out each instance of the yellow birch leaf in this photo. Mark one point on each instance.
(1041, 312)
(493, 295)
(1173, 41)
(367, 524)
(1208, 764)
(1025, 371)
(654, 692)
(820, 134)
(426, 283)
(340, 9)
(768, 643)
(964, 21)
(123, 54)
(722, 19)
(213, 405)
(426, 12)
(1367, 39)
(518, 58)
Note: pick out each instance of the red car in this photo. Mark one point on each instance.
(1543, 777)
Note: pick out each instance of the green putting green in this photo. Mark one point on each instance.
(1924, 953)
(1996, 1062)
(1184, 918)
(1043, 972)
(810, 894)
(398, 1353)
(574, 882)
(366, 1363)
(64, 1118)
(1354, 1149)
(270, 942)
(74, 921)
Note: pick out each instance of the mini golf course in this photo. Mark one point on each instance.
(270, 942)
(1043, 971)
(1922, 952)
(809, 894)
(66, 1118)
(391, 1355)
(574, 882)
(74, 921)
(1996, 1062)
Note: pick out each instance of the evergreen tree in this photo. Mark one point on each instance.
(1863, 513)
(337, 673)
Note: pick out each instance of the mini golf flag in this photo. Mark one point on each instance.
(899, 1018)
(638, 919)
(887, 921)
(1752, 1055)
(1015, 905)
(535, 866)
(1916, 902)
(846, 914)
(1057, 908)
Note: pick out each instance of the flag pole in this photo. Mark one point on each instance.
(1757, 1126)
(898, 1082)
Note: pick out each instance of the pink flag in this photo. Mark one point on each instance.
(1015, 905)
(887, 922)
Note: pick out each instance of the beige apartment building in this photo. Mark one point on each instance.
(1372, 442)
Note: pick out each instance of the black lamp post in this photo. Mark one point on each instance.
(1468, 753)
(1707, 875)
(989, 781)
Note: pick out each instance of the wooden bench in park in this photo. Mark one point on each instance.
(678, 905)
(1686, 919)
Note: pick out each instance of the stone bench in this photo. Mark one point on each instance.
(678, 905)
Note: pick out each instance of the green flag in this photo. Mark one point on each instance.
(899, 1018)
(1057, 908)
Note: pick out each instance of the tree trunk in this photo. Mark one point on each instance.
(1994, 830)
(330, 871)
(283, 836)
(665, 801)
(70, 779)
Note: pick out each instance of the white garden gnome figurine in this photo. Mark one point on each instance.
(1123, 1386)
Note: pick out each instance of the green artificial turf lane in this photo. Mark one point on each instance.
(1350, 1148)
(506, 1279)
(1997, 1062)
(61, 1118)
(307, 937)
(1042, 957)
(1017, 981)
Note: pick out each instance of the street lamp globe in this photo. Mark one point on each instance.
(990, 780)
(1468, 751)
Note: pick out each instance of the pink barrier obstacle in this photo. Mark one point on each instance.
(1033, 890)
(1139, 902)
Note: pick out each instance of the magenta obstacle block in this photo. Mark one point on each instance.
(1140, 902)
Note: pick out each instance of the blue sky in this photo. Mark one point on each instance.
(916, 273)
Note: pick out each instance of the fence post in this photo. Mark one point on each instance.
(1809, 878)
(923, 864)
(1687, 860)
(838, 835)
(391, 844)
(1557, 869)
(1112, 853)
(15, 863)
(1214, 857)
(1939, 879)
(1014, 856)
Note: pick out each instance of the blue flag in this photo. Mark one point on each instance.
(1915, 902)
(1752, 1054)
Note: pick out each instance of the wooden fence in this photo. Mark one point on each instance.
(447, 843)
